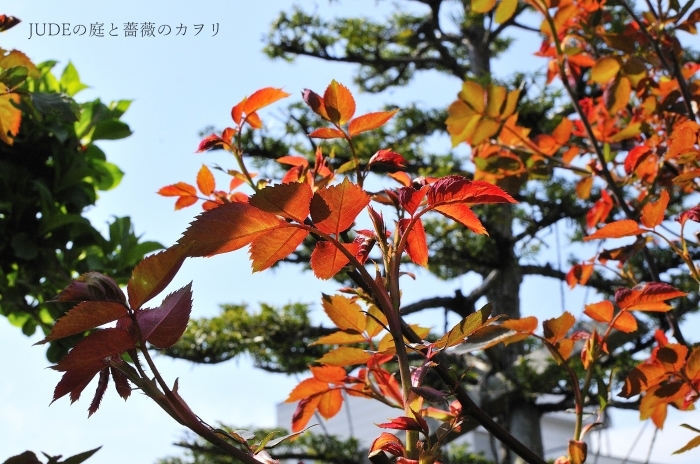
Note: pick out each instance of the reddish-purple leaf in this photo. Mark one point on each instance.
(85, 316)
(315, 102)
(416, 241)
(411, 198)
(389, 158)
(99, 392)
(387, 442)
(121, 383)
(153, 274)
(456, 188)
(92, 286)
(693, 214)
(75, 381)
(95, 348)
(164, 325)
(227, 228)
(402, 423)
(288, 200)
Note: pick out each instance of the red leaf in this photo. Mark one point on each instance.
(416, 241)
(327, 133)
(327, 260)
(600, 210)
(369, 121)
(205, 181)
(653, 213)
(262, 98)
(85, 316)
(692, 214)
(387, 442)
(389, 158)
(227, 228)
(456, 188)
(617, 229)
(339, 103)
(164, 325)
(402, 423)
(411, 198)
(99, 392)
(288, 200)
(315, 102)
(334, 208)
(330, 403)
(121, 383)
(647, 297)
(75, 381)
(92, 286)
(153, 274)
(277, 244)
(210, 142)
(95, 348)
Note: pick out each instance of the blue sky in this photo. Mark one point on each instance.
(179, 85)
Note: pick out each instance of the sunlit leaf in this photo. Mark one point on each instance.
(326, 133)
(85, 316)
(617, 229)
(330, 403)
(556, 329)
(334, 208)
(387, 442)
(307, 388)
(277, 244)
(416, 241)
(605, 69)
(227, 228)
(344, 312)
(345, 356)
(205, 181)
(464, 328)
(625, 322)
(262, 98)
(327, 260)
(10, 117)
(647, 297)
(339, 103)
(288, 200)
(601, 312)
(505, 10)
(653, 212)
(153, 274)
(369, 121)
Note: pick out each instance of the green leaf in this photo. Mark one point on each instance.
(111, 129)
(70, 81)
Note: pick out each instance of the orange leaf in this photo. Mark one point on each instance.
(369, 121)
(458, 189)
(184, 202)
(254, 120)
(344, 312)
(262, 98)
(601, 312)
(692, 365)
(327, 260)
(153, 274)
(315, 102)
(416, 241)
(525, 324)
(625, 322)
(327, 133)
(647, 297)
(617, 229)
(340, 338)
(307, 388)
(227, 228)
(339, 103)
(565, 347)
(289, 200)
(272, 246)
(672, 356)
(330, 403)
(334, 208)
(181, 189)
(411, 198)
(85, 316)
(653, 213)
(387, 442)
(330, 374)
(304, 412)
(579, 274)
(205, 181)
(345, 356)
(556, 329)
(464, 215)
(10, 117)
(641, 378)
